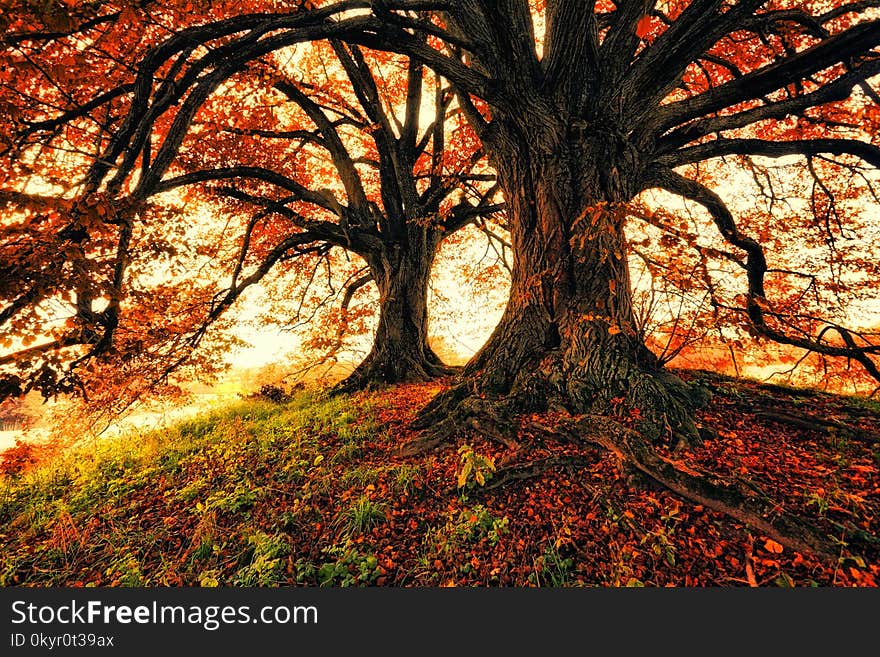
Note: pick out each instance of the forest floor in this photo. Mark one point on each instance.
(312, 491)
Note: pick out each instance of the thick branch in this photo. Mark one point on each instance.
(660, 67)
(357, 197)
(245, 172)
(40, 349)
(807, 147)
(853, 42)
(839, 89)
(757, 307)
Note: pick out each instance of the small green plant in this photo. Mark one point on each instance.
(292, 472)
(834, 499)
(349, 567)
(784, 581)
(205, 549)
(209, 578)
(475, 469)
(263, 561)
(241, 498)
(469, 526)
(361, 516)
(854, 559)
(125, 570)
(477, 522)
(661, 538)
(820, 500)
(552, 569)
(405, 478)
(436, 542)
(661, 545)
(304, 572)
(622, 567)
(192, 490)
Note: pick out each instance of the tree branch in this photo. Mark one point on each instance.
(807, 147)
(757, 307)
(855, 41)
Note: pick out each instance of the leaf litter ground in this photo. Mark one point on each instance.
(313, 491)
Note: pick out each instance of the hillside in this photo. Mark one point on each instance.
(312, 491)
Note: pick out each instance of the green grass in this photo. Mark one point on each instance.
(363, 514)
(551, 569)
(112, 512)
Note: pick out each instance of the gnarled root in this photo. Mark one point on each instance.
(662, 404)
(535, 469)
(665, 405)
(728, 497)
(456, 412)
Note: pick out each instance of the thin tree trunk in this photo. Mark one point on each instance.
(400, 351)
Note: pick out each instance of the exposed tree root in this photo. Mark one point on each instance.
(857, 535)
(735, 499)
(660, 404)
(820, 425)
(487, 417)
(728, 497)
(534, 469)
(463, 408)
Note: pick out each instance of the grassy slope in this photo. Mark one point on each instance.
(311, 492)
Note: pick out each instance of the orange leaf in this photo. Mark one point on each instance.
(772, 546)
(643, 27)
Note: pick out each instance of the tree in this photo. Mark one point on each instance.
(318, 164)
(399, 189)
(608, 101)
(616, 105)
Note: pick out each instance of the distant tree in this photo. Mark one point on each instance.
(353, 158)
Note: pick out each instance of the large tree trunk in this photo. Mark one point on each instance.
(400, 351)
(567, 337)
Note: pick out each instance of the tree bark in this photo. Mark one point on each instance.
(400, 351)
(567, 337)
